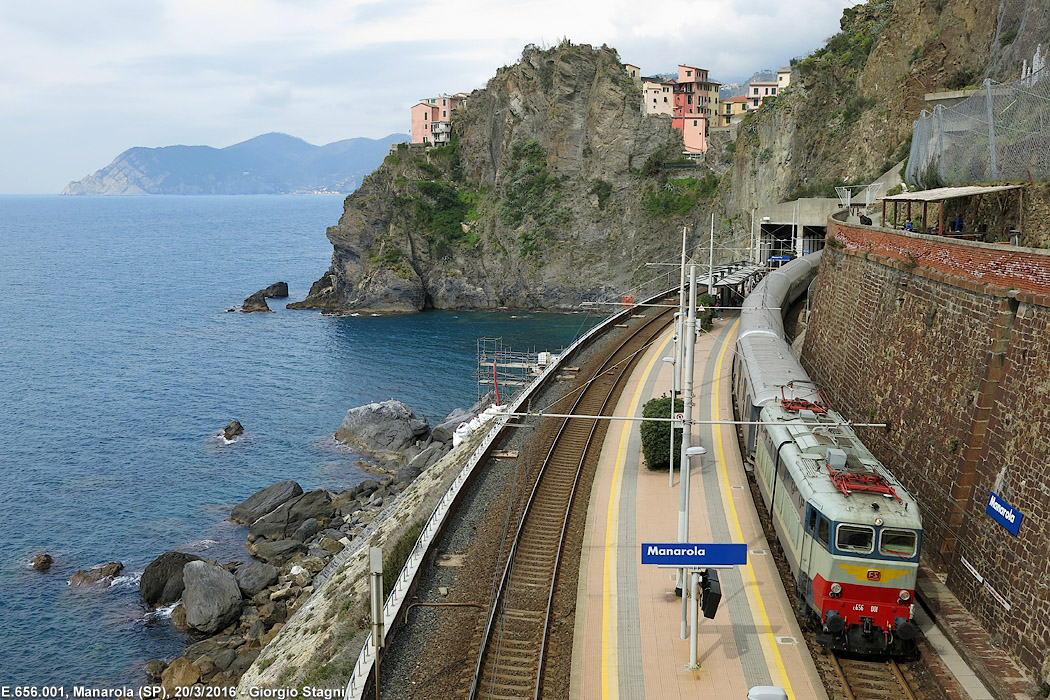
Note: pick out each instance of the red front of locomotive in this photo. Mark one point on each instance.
(865, 618)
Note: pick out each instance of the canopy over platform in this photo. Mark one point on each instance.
(942, 193)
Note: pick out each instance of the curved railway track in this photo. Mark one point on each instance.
(510, 663)
(865, 679)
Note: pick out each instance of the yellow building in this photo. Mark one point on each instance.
(733, 110)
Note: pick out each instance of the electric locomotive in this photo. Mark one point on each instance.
(850, 531)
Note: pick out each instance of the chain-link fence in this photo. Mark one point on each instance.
(1002, 132)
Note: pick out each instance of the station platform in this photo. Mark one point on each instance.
(627, 637)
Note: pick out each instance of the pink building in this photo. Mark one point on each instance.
(758, 90)
(695, 104)
(432, 118)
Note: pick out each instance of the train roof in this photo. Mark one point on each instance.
(771, 368)
(811, 435)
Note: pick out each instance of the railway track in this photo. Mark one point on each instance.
(865, 679)
(510, 663)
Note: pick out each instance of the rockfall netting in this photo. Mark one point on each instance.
(1002, 132)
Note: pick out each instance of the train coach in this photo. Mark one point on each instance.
(850, 531)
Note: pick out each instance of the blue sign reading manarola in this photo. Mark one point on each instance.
(1004, 513)
(693, 555)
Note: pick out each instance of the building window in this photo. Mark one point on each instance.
(754, 102)
(426, 127)
(756, 90)
(774, 90)
(695, 123)
(443, 103)
(665, 100)
(688, 73)
(444, 112)
(424, 115)
(690, 99)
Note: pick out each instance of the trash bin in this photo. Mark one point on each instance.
(1015, 237)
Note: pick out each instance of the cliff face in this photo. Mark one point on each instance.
(543, 199)
(847, 116)
(552, 192)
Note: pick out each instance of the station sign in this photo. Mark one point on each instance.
(780, 258)
(1004, 513)
(687, 554)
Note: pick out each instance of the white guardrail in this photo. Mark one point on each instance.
(355, 687)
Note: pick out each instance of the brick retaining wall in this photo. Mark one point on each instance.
(949, 343)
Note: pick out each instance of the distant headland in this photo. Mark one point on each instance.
(268, 164)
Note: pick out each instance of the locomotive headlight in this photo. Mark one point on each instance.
(836, 590)
(905, 596)
(878, 522)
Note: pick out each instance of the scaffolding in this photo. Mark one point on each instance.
(507, 370)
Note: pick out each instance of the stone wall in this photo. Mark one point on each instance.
(1035, 216)
(949, 344)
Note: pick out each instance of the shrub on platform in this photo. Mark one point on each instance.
(656, 435)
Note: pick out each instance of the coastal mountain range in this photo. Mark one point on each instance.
(268, 164)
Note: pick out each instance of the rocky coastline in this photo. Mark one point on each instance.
(232, 610)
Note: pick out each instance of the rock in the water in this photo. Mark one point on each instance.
(284, 520)
(385, 429)
(256, 302)
(254, 577)
(212, 598)
(262, 502)
(277, 290)
(232, 430)
(42, 562)
(277, 552)
(155, 667)
(101, 576)
(161, 582)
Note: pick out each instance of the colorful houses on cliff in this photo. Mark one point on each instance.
(691, 101)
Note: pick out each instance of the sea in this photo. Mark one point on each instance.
(120, 363)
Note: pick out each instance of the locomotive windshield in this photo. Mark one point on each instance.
(855, 538)
(899, 543)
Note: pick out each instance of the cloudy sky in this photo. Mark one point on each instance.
(82, 81)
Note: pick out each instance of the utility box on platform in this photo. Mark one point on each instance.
(710, 593)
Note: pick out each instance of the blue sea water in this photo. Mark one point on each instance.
(119, 364)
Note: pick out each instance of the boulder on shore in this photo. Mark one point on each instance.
(265, 500)
(254, 577)
(101, 576)
(212, 598)
(277, 553)
(383, 429)
(284, 520)
(161, 582)
(232, 430)
(42, 562)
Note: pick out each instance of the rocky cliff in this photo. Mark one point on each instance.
(551, 193)
(557, 189)
(847, 116)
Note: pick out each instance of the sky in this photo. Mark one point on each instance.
(80, 82)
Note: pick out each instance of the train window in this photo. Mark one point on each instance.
(855, 538)
(898, 543)
(824, 532)
(812, 525)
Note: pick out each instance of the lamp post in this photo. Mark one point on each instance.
(694, 578)
(674, 384)
(688, 343)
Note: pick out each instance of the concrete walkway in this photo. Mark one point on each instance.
(628, 619)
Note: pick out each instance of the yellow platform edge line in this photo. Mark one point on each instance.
(610, 652)
(752, 582)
